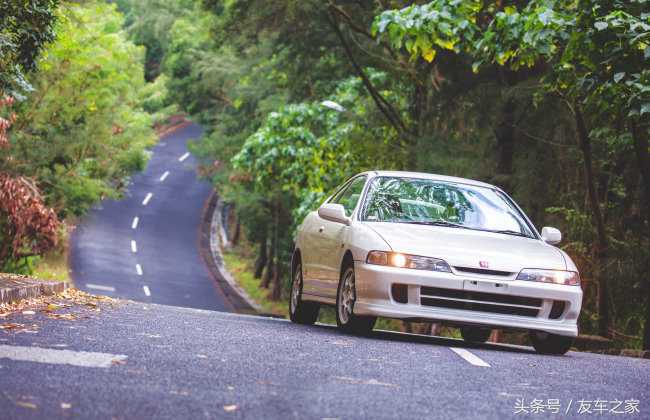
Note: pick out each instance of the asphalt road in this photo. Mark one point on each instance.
(182, 363)
(145, 246)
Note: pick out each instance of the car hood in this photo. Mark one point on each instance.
(466, 248)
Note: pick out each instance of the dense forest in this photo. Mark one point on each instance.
(547, 99)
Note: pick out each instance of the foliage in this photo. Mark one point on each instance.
(25, 28)
(27, 226)
(82, 126)
(83, 130)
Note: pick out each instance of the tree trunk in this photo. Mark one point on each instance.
(262, 256)
(584, 142)
(236, 236)
(268, 274)
(640, 137)
(276, 292)
(505, 134)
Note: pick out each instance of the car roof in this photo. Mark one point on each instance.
(435, 177)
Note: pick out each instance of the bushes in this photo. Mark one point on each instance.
(87, 119)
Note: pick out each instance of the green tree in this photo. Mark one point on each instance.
(25, 28)
(83, 130)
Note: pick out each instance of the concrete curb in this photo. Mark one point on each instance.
(219, 237)
(211, 253)
(14, 287)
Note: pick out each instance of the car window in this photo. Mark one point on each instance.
(424, 201)
(349, 197)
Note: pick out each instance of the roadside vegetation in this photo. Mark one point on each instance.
(548, 99)
(77, 116)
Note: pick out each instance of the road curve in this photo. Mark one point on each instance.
(145, 247)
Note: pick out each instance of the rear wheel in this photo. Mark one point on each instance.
(345, 298)
(546, 343)
(475, 334)
(301, 312)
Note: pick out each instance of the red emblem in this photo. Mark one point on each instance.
(483, 264)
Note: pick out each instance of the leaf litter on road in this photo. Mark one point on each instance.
(69, 305)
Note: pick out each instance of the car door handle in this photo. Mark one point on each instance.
(321, 229)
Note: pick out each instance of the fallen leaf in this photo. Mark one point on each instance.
(26, 404)
(229, 408)
(65, 406)
(10, 326)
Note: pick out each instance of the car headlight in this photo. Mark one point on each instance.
(395, 259)
(570, 278)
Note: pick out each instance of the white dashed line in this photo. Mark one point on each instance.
(138, 269)
(469, 357)
(146, 290)
(60, 357)
(146, 199)
(100, 287)
(185, 156)
(134, 246)
(134, 224)
(164, 176)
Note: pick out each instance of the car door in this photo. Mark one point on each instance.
(312, 247)
(332, 236)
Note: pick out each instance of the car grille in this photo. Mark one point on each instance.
(484, 271)
(480, 301)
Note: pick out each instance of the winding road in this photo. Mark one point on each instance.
(145, 247)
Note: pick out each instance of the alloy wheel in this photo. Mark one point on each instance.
(296, 288)
(346, 297)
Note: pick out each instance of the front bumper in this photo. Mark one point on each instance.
(467, 299)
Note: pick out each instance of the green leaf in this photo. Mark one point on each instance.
(600, 25)
(619, 76)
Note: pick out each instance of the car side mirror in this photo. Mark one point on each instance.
(334, 213)
(550, 235)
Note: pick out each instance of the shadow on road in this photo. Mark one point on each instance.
(431, 340)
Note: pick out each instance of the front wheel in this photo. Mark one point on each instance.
(546, 343)
(301, 312)
(345, 298)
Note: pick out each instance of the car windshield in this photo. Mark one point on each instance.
(433, 202)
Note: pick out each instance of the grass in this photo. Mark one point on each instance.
(240, 262)
(52, 266)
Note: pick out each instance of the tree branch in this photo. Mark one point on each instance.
(384, 106)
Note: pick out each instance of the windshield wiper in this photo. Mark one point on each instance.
(510, 232)
(437, 223)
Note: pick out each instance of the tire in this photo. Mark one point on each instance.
(345, 298)
(546, 343)
(475, 334)
(300, 311)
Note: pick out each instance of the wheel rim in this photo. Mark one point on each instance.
(346, 297)
(295, 289)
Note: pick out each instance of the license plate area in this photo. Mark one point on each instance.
(484, 286)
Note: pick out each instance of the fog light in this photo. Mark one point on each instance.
(400, 293)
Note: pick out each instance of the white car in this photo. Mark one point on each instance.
(422, 247)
